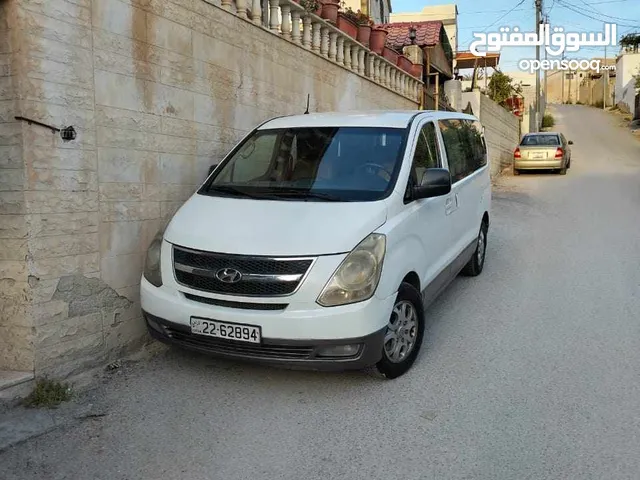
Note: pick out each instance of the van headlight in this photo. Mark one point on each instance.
(152, 272)
(357, 277)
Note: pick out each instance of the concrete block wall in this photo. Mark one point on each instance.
(157, 90)
(502, 130)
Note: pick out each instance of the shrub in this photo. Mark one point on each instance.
(310, 5)
(548, 121)
(48, 393)
(349, 13)
(363, 19)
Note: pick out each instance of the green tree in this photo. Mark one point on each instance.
(631, 41)
(501, 87)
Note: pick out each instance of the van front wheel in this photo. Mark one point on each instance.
(404, 333)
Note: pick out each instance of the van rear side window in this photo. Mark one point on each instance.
(465, 146)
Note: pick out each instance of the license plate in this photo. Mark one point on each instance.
(229, 331)
(537, 156)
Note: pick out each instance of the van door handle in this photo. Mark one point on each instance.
(448, 206)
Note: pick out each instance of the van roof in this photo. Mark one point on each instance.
(361, 118)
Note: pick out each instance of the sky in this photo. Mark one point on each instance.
(476, 16)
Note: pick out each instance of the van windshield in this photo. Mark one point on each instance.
(343, 164)
(544, 140)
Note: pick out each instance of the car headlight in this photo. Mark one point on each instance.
(152, 271)
(357, 277)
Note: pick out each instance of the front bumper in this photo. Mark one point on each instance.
(538, 164)
(298, 354)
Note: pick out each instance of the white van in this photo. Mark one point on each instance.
(320, 239)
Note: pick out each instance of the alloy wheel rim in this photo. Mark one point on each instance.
(402, 332)
(481, 246)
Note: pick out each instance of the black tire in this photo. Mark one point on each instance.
(474, 267)
(388, 367)
(569, 164)
(516, 171)
(563, 171)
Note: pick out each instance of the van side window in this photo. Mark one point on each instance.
(426, 154)
(465, 146)
(456, 147)
(479, 146)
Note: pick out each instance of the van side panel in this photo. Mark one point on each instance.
(419, 233)
(409, 249)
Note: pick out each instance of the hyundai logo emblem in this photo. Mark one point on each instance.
(228, 275)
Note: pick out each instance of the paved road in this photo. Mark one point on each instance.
(530, 371)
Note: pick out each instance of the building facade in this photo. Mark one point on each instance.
(378, 10)
(627, 70)
(447, 14)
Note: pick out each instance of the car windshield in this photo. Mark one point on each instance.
(319, 164)
(549, 140)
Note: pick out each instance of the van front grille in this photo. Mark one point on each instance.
(229, 347)
(241, 305)
(240, 275)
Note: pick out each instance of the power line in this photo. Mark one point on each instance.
(593, 11)
(628, 30)
(503, 16)
(590, 7)
(576, 9)
(500, 18)
(608, 1)
(489, 11)
(553, 4)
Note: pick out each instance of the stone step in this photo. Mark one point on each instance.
(14, 384)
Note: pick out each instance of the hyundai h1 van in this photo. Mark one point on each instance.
(320, 239)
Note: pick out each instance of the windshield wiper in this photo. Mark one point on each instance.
(303, 194)
(273, 193)
(231, 191)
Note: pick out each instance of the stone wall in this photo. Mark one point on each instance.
(627, 67)
(592, 91)
(502, 129)
(16, 334)
(157, 90)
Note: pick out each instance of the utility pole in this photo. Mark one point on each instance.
(538, 21)
(546, 98)
(562, 78)
(605, 81)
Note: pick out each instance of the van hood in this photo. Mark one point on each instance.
(267, 227)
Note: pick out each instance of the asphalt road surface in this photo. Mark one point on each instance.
(530, 371)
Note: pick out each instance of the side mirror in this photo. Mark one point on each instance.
(211, 169)
(435, 183)
(570, 142)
